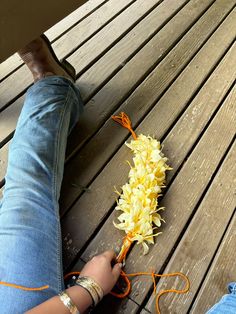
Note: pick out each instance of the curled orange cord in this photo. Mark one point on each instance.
(127, 290)
(124, 120)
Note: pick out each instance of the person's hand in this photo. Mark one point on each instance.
(99, 268)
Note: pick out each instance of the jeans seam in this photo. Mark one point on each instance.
(54, 193)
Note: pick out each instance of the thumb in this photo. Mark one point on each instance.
(117, 270)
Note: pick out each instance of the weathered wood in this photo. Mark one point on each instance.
(199, 243)
(178, 108)
(77, 35)
(119, 55)
(14, 61)
(222, 270)
(186, 131)
(101, 70)
(141, 98)
(180, 205)
(167, 35)
(81, 169)
(106, 101)
(184, 194)
(29, 17)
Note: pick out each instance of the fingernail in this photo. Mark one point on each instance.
(120, 265)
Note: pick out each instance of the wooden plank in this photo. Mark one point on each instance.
(199, 243)
(199, 112)
(83, 167)
(29, 17)
(96, 75)
(100, 198)
(182, 197)
(76, 17)
(119, 55)
(14, 61)
(103, 142)
(221, 272)
(78, 34)
(103, 104)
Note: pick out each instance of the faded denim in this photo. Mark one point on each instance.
(30, 235)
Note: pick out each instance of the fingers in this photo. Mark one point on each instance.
(117, 270)
(110, 255)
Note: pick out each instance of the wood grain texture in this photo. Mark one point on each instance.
(199, 243)
(83, 167)
(186, 190)
(13, 62)
(192, 179)
(177, 87)
(163, 40)
(119, 55)
(222, 270)
(109, 98)
(100, 196)
(185, 132)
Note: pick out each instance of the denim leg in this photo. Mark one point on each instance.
(227, 304)
(30, 236)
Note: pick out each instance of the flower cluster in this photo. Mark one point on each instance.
(139, 198)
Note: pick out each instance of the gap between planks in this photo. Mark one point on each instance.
(202, 237)
(221, 273)
(97, 192)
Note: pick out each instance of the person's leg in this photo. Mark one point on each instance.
(30, 237)
(227, 304)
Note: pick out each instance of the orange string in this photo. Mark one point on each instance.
(12, 285)
(124, 120)
(128, 285)
(181, 291)
(127, 290)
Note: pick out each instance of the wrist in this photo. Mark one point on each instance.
(80, 297)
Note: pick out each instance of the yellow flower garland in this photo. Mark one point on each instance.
(138, 200)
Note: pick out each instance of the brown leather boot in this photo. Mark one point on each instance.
(40, 58)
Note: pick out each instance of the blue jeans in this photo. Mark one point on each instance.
(30, 236)
(227, 304)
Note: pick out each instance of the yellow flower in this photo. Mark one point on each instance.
(138, 200)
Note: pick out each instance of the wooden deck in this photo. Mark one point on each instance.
(170, 65)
